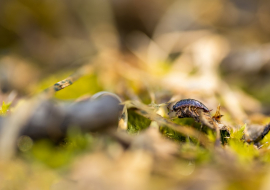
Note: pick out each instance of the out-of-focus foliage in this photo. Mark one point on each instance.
(59, 156)
(85, 85)
(4, 108)
(152, 52)
(136, 122)
(246, 152)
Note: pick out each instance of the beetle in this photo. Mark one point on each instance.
(189, 108)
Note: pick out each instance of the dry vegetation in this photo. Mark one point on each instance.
(106, 125)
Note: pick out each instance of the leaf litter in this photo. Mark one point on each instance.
(147, 149)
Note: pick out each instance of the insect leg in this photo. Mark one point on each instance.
(179, 113)
(195, 111)
(189, 109)
(195, 114)
(183, 114)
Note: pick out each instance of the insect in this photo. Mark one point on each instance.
(189, 108)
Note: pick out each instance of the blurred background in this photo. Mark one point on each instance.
(227, 37)
(156, 51)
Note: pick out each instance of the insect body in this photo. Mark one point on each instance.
(189, 108)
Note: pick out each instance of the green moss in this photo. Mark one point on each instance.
(166, 131)
(244, 151)
(60, 155)
(238, 134)
(199, 154)
(190, 122)
(4, 108)
(224, 135)
(136, 122)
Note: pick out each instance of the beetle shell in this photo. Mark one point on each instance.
(190, 103)
(189, 108)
